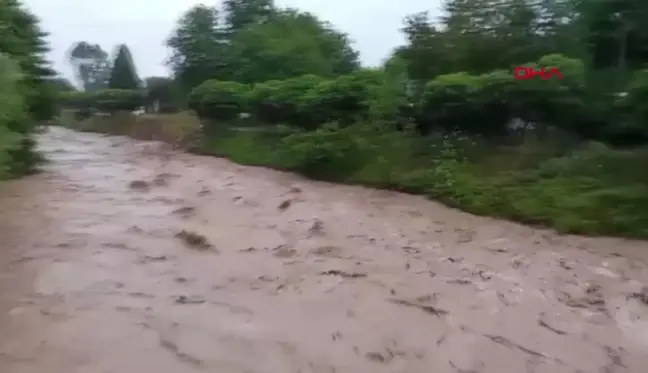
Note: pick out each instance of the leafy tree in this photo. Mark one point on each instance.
(91, 66)
(12, 113)
(289, 44)
(123, 74)
(24, 41)
(242, 13)
(197, 47)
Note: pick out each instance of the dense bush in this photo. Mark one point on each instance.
(305, 101)
(480, 104)
(76, 99)
(218, 100)
(113, 100)
(283, 101)
(109, 101)
(12, 119)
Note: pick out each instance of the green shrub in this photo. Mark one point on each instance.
(76, 99)
(324, 153)
(278, 102)
(343, 100)
(16, 148)
(452, 102)
(633, 106)
(219, 100)
(553, 101)
(113, 100)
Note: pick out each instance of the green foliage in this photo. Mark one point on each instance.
(197, 48)
(123, 74)
(219, 100)
(24, 42)
(113, 100)
(107, 100)
(12, 120)
(256, 43)
(452, 101)
(343, 99)
(290, 44)
(240, 14)
(76, 99)
(24, 85)
(633, 105)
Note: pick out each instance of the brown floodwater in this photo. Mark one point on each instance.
(123, 257)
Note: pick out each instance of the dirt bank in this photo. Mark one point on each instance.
(124, 258)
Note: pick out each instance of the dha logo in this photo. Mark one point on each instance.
(525, 73)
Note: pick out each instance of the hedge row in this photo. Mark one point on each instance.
(109, 100)
(485, 104)
(15, 145)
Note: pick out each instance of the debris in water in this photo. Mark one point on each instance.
(335, 272)
(151, 258)
(282, 251)
(184, 299)
(139, 184)
(162, 179)
(284, 205)
(194, 240)
(317, 227)
(204, 191)
(184, 211)
(641, 296)
(425, 308)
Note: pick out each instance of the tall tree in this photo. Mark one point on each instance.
(23, 47)
(290, 43)
(123, 74)
(241, 13)
(197, 47)
(91, 66)
(24, 41)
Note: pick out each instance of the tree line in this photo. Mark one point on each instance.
(454, 72)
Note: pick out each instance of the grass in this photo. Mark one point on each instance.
(584, 188)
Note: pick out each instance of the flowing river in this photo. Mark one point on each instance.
(124, 257)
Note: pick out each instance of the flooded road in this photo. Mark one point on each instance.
(121, 258)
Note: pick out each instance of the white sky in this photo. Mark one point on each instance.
(144, 25)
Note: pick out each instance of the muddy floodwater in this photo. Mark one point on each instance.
(123, 257)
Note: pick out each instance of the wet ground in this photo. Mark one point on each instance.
(123, 258)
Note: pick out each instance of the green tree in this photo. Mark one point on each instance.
(123, 74)
(11, 113)
(242, 13)
(198, 48)
(289, 44)
(24, 41)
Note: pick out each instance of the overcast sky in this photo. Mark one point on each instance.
(145, 24)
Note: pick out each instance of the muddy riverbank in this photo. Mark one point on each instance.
(124, 257)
